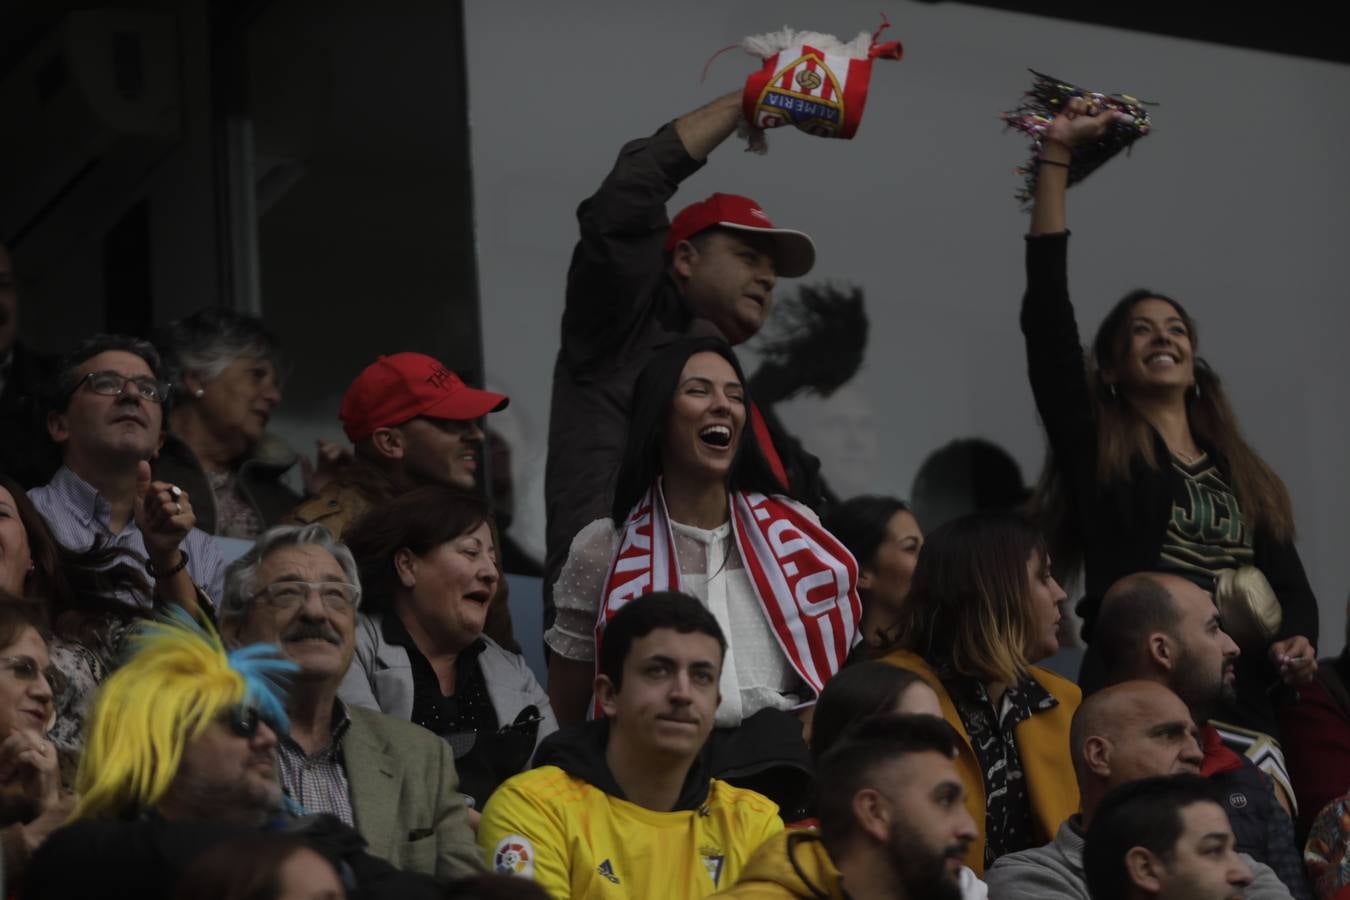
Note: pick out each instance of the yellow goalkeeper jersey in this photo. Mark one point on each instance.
(576, 841)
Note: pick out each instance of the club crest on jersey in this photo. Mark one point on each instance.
(514, 856)
(713, 860)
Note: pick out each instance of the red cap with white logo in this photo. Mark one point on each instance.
(794, 252)
(404, 386)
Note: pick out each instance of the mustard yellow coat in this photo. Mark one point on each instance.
(1042, 743)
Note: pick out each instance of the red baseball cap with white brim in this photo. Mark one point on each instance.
(395, 389)
(794, 251)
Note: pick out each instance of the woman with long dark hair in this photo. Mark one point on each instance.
(1148, 470)
(983, 609)
(697, 509)
(884, 537)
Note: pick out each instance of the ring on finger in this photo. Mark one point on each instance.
(177, 509)
(175, 491)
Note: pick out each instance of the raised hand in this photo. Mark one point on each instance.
(1081, 121)
(164, 516)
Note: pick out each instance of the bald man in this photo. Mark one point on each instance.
(1161, 628)
(1133, 730)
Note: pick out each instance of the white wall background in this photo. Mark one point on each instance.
(1236, 204)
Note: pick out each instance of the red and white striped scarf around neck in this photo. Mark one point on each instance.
(805, 580)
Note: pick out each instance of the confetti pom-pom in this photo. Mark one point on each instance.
(1047, 97)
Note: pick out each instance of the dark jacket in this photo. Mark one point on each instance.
(1122, 525)
(145, 858)
(27, 454)
(258, 479)
(621, 307)
(1261, 827)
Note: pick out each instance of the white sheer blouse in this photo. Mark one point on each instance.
(755, 674)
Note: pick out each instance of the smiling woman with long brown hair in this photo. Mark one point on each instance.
(1148, 470)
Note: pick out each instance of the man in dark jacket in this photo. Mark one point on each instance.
(1162, 628)
(639, 281)
(26, 454)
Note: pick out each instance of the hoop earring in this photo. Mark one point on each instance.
(1197, 389)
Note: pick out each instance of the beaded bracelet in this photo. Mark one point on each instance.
(182, 564)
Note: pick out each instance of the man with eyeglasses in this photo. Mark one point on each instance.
(107, 416)
(391, 780)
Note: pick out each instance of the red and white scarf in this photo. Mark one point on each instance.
(806, 581)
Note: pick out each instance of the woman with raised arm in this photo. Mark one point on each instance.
(1148, 469)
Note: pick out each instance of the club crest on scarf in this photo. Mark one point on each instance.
(812, 81)
(804, 579)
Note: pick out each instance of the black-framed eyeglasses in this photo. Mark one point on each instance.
(243, 721)
(113, 384)
(338, 596)
(25, 668)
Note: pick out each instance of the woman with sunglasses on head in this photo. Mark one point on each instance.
(428, 565)
(697, 509)
(32, 802)
(983, 609)
(1148, 469)
(82, 594)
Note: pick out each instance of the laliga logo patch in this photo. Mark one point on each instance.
(514, 856)
(816, 105)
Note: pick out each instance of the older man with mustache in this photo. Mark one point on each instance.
(393, 781)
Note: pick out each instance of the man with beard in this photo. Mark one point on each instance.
(1123, 733)
(180, 757)
(1163, 839)
(391, 780)
(1162, 628)
(893, 821)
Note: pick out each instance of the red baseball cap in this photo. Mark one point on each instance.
(794, 251)
(396, 388)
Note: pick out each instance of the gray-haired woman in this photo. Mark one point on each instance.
(223, 367)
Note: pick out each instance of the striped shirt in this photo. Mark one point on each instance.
(78, 515)
(319, 782)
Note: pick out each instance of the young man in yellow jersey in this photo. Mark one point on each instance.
(623, 807)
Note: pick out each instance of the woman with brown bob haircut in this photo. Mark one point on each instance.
(429, 574)
(1148, 469)
(983, 608)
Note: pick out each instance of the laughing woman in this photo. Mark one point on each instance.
(429, 574)
(1149, 471)
(695, 510)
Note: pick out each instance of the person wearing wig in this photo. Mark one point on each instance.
(697, 509)
(177, 684)
(180, 757)
(983, 608)
(1148, 470)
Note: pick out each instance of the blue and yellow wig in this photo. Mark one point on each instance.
(176, 681)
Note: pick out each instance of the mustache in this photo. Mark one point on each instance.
(302, 631)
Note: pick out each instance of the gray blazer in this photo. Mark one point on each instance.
(380, 678)
(406, 798)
